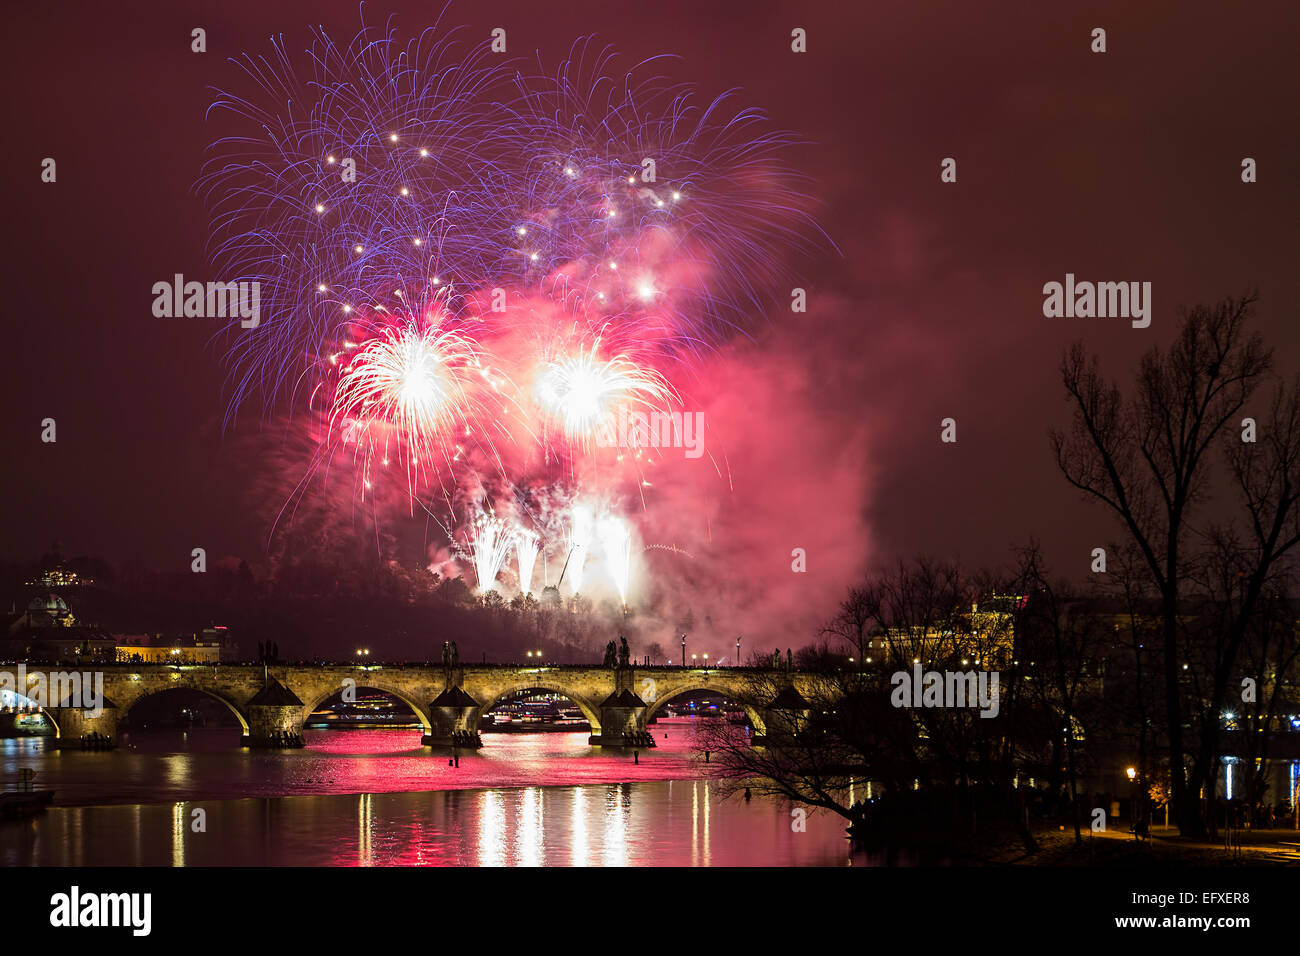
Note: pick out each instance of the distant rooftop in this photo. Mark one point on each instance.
(60, 577)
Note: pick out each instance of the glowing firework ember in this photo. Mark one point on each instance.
(490, 545)
(616, 542)
(527, 547)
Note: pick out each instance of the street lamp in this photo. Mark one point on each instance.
(737, 650)
(1132, 797)
(683, 650)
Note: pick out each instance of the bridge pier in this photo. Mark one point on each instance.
(784, 718)
(275, 718)
(79, 729)
(622, 722)
(453, 720)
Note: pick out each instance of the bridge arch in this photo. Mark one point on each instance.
(662, 700)
(126, 708)
(421, 711)
(48, 714)
(589, 710)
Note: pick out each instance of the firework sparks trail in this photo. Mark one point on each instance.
(477, 264)
(408, 388)
(584, 391)
(580, 536)
(616, 542)
(490, 544)
(386, 169)
(527, 547)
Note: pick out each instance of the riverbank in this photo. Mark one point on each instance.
(1166, 849)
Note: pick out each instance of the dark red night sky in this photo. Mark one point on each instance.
(1122, 166)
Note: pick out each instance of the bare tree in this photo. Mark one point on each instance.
(1271, 659)
(853, 622)
(1063, 635)
(813, 754)
(842, 727)
(1146, 459)
(1132, 659)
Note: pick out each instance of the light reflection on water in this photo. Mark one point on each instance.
(203, 764)
(371, 798)
(664, 823)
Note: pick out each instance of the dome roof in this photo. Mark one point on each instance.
(51, 603)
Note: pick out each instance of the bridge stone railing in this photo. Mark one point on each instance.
(272, 702)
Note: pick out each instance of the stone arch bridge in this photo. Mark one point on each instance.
(271, 701)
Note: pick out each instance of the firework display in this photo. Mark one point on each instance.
(617, 544)
(409, 392)
(527, 547)
(491, 544)
(468, 271)
(580, 536)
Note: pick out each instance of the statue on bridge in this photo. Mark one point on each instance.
(450, 655)
(611, 655)
(624, 653)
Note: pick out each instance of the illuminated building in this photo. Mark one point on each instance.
(49, 631)
(159, 649)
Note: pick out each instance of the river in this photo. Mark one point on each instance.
(376, 797)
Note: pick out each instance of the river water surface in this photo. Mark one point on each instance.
(376, 797)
